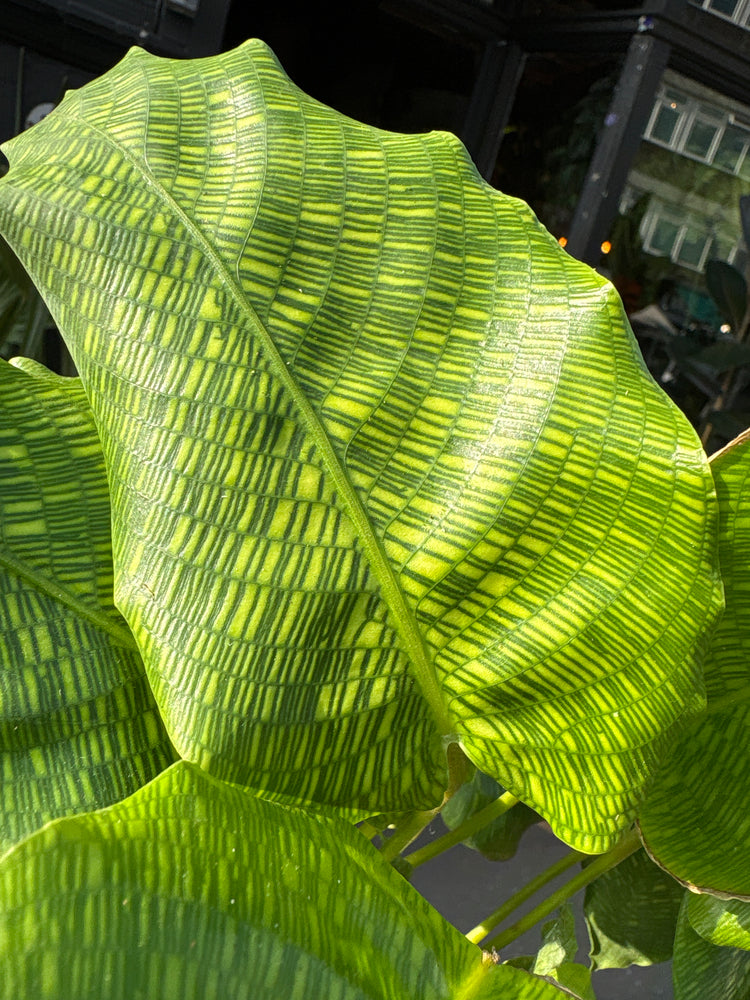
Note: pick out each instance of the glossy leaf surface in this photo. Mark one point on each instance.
(386, 468)
(195, 888)
(695, 822)
(78, 725)
(631, 912)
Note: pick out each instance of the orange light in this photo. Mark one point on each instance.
(563, 241)
(606, 246)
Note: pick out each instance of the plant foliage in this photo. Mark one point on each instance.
(391, 494)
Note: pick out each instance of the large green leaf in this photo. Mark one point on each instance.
(194, 888)
(631, 913)
(704, 971)
(386, 468)
(695, 821)
(78, 725)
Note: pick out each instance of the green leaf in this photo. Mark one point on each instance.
(559, 943)
(387, 469)
(720, 921)
(192, 887)
(704, 971)
(694, 822)
(631, 913)
(78, 725)
(728, 289)
(23, 314)
(555, 958)
(499, 840)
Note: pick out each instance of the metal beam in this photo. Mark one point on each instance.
(618, 143)
(500, 71)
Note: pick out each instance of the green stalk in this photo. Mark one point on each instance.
(476, 934)
(405, 832)
(627, 846)
(466, 829)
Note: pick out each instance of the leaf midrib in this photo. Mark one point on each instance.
(406, 624)
(122, 636)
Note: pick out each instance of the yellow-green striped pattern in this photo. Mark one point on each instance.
(385, 465)
(705, 971)
(78, 725)
(193, 888)
(695, 821)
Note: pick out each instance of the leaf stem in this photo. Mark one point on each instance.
(629, 844)
(476, 934)
(407, 831)
(466, 829)
(119, 634)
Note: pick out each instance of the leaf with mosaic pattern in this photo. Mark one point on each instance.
(78, 725)
(194, 888)
(694, 821)
(387, 470)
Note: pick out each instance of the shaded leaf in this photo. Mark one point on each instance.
(720, 921)
(387, 470)
(631, 913)
(499, 840)
(728, 289)
(192, 887)
(78, 725)
(23, 314)
(704, 971)
(694, 821)
(556, 957)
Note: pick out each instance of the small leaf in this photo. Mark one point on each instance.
(728, 289)
(78, 725)
(499, 840)
(694, 822)
(720, 921)
(704, 971)
(631, 913)
(559, 943)
(194, 888)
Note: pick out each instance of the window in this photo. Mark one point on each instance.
(696, 129)
(737, 11)
(668, 231)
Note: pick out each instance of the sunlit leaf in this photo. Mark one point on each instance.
(194, 888)
(78, 725)
(387, 470)
(695, 822)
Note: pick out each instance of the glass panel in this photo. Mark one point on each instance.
(663, 236)
(664, 124)
(725, 7)
(700, 137)
(731, 147)
(694, 247)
